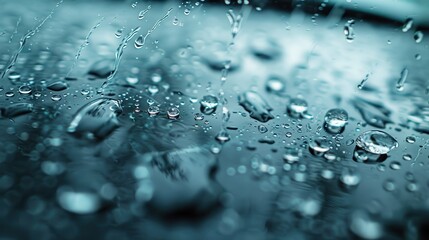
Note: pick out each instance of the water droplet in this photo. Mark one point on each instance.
(265, 48)
(119, 32)
(24, 89)
(208, 104)
(408, 24)
(292, 155)
(275, 85)
(377, 142)
(16, 109)
(58, 86)
(401, 81)
(173, 113)
(365, 227)
(153, 89)
(256, 106)
(198, 117)
(56, 97)
(297, 107)
(223, 137)
(96, 120)
(395, 165)
(187, 11)
(418, 36)
(363, 82)
(350, 177)
(407, 157)
(410, 139)
(14, 76)
(389, 185)
(139, 42)
(335, 120)
(78, 202)
(153, 110)
(175, 21)
(262, 128)
(9, 94)
(349, 31)
(412, 187)
(319, 146)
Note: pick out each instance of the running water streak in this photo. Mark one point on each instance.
(24, 38)
(126, 39)
(120, 50)
(157, 23)
(84, 44)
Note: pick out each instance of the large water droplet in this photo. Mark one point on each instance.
(96, 120)
(377, 142)
(257, 107)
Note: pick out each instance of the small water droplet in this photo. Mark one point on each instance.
(153, 110)
(389, 185)
(187, 11)
(407, 157)
(410, 139)
(275, 85)
(198, 117)
(335, 120)
(262, 129)
(118, 33)
(395, 165)
(401, 81)
(78, 202)
(223, 137)
(319, 146)
(349, 31)
(350, 177)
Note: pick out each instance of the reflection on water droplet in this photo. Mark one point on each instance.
(153, 110)
(377, 142)
(319, 146)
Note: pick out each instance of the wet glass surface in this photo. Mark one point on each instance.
(196, 120)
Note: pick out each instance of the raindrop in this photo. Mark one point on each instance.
(401, 81)
(24, 89)
(389, 185)
(297, 107)
(365, 227)
(349, 31)
(256, 106)
(407, 157)
(223, 136)
(119, 32)
(410, 139)
(275, 85)
(377, 142)
(153, 89)
(418, 36)
(58, 86)
(363, 82)
(209, 104)
(395, 165)
(138, 43)
(292, 155)
(96, 120)
(173, 113)
(335, 120)
(319, 146)
(9, 94)
(262, 128)
(187, 11)
(408, 24)
(350, 177)
(153, 110)
(198, 117)
(56, 97)
(14, 76)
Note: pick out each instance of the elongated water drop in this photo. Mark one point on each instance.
(349, 31)
(58, 86)
(16, 109)
(363, 82)
(401, 81)
(418, 36)
(408, 24)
